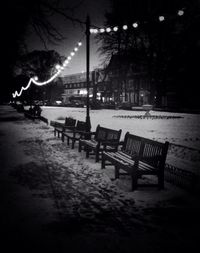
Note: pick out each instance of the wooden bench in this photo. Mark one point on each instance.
(45, 120)
(30, 115)
(139, 156)
(75, 134)
(100, 140)
(54, 123)
(59, 128)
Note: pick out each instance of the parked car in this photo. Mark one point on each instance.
(126, 106)
(109, 105)
(95, 105)
(75, 103)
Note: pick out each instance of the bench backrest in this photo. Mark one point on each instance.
(132, 144)
(70, 122)
(81, 126)
(107, 134)
(154, 152)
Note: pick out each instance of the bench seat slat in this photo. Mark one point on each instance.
(119, 157)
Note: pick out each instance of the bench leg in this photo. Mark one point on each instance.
(63, 138)
(54, 132)
(79, 147)
(161, 180)
(58, 134)
(134, 180)
(116, 172)
(103, 162)
(87, 153)
(73, 142)
(68, 141)
(97, 155)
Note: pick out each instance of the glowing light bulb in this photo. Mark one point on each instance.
(72, 53)
(135, 25)
(108, 29)
(180, 13)
(161, 18)
(80, 43)
(76, 49)
(102, 30)
(125, 27)
(35, 78)
(115, 29)
(69, 58)
(57, 66)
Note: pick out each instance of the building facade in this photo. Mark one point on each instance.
(75, 87)
(128, 84)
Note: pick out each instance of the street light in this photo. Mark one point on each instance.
(88, 123)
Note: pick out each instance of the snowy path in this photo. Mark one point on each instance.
(55, 199)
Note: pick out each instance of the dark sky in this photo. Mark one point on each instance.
(74, 32)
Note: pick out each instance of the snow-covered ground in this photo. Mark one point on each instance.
(184, 131)
(53, 184)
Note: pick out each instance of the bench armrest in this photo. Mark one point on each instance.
(113, 144)
(110, 143)
(89, 134)
(64, 127)
(82, 133)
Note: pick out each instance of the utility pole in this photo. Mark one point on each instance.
(88, 71)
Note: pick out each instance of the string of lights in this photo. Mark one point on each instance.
(59, 69)
(125, 27)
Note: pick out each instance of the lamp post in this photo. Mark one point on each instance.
(88, 71)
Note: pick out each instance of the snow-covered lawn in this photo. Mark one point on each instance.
(183, 131)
